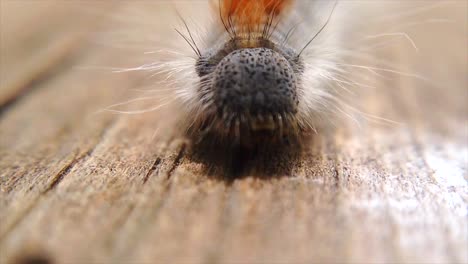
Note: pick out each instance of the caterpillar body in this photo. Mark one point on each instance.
(238, 76)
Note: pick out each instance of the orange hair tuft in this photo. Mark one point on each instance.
(247, 14)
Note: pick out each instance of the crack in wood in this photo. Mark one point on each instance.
(66, 170)
(336, 175)
(177, 161)
(154, 167)
(158, 162)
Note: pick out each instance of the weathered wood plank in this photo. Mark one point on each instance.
(47, 153)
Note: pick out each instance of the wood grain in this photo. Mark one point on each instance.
(82, 186)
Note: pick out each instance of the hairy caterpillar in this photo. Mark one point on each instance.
(252, 85)
(243, 73)
(254, 74)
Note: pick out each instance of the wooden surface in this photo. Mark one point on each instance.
(80, 186)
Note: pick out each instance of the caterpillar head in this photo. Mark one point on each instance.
(249, 91)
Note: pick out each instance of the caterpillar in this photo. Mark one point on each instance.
(254, 79)
(249, 73)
